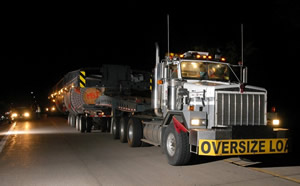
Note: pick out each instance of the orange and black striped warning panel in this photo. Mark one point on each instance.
(82, 80)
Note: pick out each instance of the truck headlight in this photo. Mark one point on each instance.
(275, 122)
(14, 115)
(197, 122)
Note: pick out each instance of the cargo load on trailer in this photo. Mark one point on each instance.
(76, 94)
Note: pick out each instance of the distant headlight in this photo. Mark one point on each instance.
(276, 122)
(14, 115)
(53, 108)
(26, 114)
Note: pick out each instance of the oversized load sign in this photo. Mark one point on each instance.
(242, 147)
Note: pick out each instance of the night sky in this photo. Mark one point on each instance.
(42, 42)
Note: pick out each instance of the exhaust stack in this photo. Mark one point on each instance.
(155, 94)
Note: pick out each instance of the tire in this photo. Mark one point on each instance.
(72, 121)
(108, 124)
(82, 124)
(77, 118)
(123, 129)
(176, 146)
(116, 128)
(89, 124)
(103, 124)
(134, 132)
(69, 119)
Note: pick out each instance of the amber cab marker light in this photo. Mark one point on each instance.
(160, 82)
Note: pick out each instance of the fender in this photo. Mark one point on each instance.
(176, 117)
(179, 126)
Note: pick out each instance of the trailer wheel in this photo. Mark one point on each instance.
(135, 132)
(108, 124)
(82, 124)
(69, 119)
(77, 118)
(72, 120)
(176, 146)
(103, 124)
(89, 124)
(116, 127)
(123, 129)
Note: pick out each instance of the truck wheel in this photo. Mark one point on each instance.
(89, 124)
(108, 124)
(82, 124)
(77, 118)
(116, 128)
(69, 119)
(103, 124)
(123, 129)
(176, 146)
(135, 132)
(72, 120)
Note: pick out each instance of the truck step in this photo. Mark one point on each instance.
(150, 142)
(155, 122)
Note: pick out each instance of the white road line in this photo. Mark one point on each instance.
(4, 139)
(263, 171)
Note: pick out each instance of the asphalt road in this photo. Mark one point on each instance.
(49, 152)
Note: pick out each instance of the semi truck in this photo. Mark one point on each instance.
(193, 103)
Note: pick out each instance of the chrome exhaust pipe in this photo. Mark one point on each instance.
(155, 93)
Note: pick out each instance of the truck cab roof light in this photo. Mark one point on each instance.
(196, 55)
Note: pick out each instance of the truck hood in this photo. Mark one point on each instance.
(211, 86)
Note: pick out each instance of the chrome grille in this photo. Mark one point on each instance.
(234, 108)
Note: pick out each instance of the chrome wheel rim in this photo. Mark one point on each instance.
(171, 144)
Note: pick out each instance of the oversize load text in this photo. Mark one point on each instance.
(242, 147)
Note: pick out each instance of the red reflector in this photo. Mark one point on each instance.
(273, 109)
(178, 126)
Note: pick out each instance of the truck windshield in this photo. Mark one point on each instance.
(205, 71)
